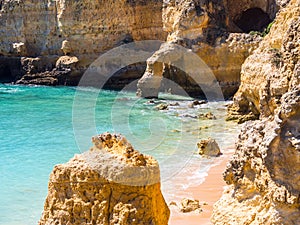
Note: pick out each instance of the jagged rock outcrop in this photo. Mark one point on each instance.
(189, 205)
(264, 172)
(110, 184)
(214, 31)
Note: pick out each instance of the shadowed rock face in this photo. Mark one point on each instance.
(110, 184)
(254, 19)
(263, 174)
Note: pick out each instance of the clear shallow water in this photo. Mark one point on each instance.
(36, 132)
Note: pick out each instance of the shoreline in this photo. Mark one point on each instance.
(210, 191)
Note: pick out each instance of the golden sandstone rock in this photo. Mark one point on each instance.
(190, 205)
(83, 29)
(110, 184)
(263, 174)
(208, 147)
(214, 30)
(266, 74)
(208, 29)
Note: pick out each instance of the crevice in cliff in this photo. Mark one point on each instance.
(253, 19)
(109, 206)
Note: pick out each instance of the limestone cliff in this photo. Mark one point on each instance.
(36, 34)
(218, 32)
(266, 74)
(84, 29)
(110, 184)
(264, 172)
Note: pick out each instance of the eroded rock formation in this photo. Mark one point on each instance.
(217, 31)
(264, 172)
(267, 74)
(110, 184)
(83, 29)
(208, 147)
(39, 30)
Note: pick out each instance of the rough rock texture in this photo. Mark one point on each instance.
(264, 173)
(208, 147)
(189, 205)
(84, 29)
(110, 184)
(266, 74)
(209, 29)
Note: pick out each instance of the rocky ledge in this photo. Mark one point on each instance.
(110, 184)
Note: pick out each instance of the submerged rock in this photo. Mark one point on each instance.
(162, 106)
(196, 102)
(110, 184)
(208, 147)
(209, 116)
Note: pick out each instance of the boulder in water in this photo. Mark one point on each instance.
(208, 147)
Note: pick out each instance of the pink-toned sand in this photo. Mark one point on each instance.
(209, 191)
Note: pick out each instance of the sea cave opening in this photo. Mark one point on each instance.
(253, 19)
(175, 81)
(5, 74)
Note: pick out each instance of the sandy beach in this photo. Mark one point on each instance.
(209, 192)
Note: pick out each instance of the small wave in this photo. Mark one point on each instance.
(5, 90)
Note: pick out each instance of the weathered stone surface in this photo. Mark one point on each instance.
(207, 116)
(263, 174)
(49, 78)
(83, 29)
(162, 106)
(208, 28)
(189, 205)
(266, 74)
(110, 184)
(208, 147)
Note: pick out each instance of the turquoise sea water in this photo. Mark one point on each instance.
(37, 132)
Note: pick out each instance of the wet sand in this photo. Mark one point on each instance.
(209, 191)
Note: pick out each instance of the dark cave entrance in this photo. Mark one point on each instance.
(127, 78)
(254, 19)
(5, 74)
